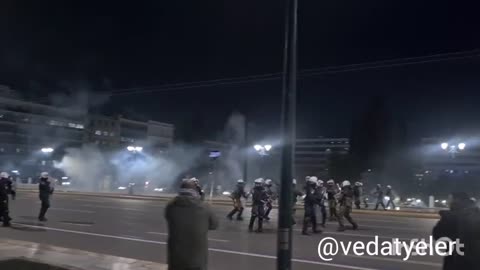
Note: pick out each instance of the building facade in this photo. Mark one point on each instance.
(313, 155)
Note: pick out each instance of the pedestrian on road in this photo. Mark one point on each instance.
(45, 188)
(259, 199)
(237, 195)
(379, 193)
(346, 202)
(460, 222)
(189, 220)
(198, 188)
(5, 190)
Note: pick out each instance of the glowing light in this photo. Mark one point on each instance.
(444, 201)
(47, 150)
(158, 189)
(268, 147)
(397, 208)
(226, 193)
(461, 146)
(130, 148)
(418, 201)
(138, 148)
(258, 147)
(66, 183)
(444, 145)
(122, 188)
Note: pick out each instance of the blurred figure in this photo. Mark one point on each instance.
(357, 194)
(237, 195)
(346, 202)
(310, 200)
(296, 194)
(189, 221)
(390, 196)
(332, 201)
(379, 194)
(198, 188)
(45, 188)
(321, 194)
(5, 190)
(272, 196)
(460, 222)
(259, 199)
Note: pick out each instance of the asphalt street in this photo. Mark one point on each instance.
(137, 229)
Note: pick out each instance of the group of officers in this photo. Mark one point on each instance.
(45, 188)
(339, 199)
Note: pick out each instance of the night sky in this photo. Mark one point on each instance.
(60, 46)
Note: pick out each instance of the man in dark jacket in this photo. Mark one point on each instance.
(189, 220)
(5, 190)
(332, 192)
(272, 196)
(357, 194)
(460, 222)
(321, 194)
(45, 189)
(390, 197)
(295, 195)
(237, 195)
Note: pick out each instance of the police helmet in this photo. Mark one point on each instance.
(345, 183)
(4, 175)
(44, 175)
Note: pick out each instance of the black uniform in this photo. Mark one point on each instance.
(379, 193)
(310, 201)
(271, 197)
(259, 198)
(357, 194)
(5, 190)
(237, 201)
(45, 189)
(320, 193)
(389, 194)
(296, 194)
(200, 191)
(332, 201)
(345, 200)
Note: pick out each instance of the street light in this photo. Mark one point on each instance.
(461, 146)
(47, 150)
(262, 149)
(444, 146)
(134, 148)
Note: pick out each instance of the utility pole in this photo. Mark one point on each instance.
(289, 84)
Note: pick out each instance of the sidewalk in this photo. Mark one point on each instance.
(63, 258)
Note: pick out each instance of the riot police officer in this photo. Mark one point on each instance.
(332, 200)
(390, 197)
(345, 200)
(357, 194)
(296, 194)
(379, 193)
(5, 190)
(259, 198)
(310, 201)
(272, 196)
(45, 188)
(321, 194)
(237, 195)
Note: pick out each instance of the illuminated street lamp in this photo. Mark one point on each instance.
(453, 149)
(262, 150)
(134, 148)
(444, 146)
(46, 150)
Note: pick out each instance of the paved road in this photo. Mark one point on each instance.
(137, 229)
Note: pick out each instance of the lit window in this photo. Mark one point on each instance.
(72, 125)
(98, 132)
(105, 133)
(80, 126)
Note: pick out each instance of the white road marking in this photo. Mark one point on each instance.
(209, 239)
(210, 249)
(371, 236)
(76, 224)
(110, 207)
(395, 260)
(72, 210)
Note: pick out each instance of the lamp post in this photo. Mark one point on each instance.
(453, 149)
(263, 151)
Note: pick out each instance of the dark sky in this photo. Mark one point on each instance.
(49, 46)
